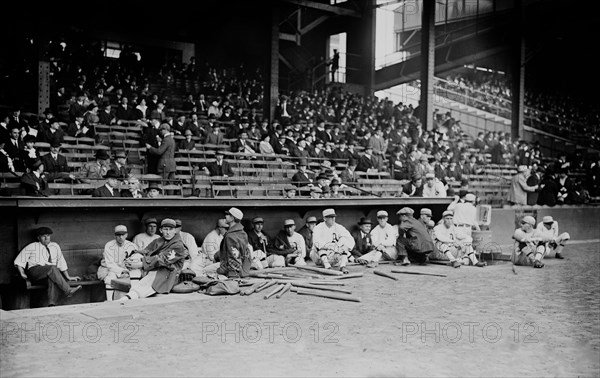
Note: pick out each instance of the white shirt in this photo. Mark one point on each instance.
(143, 239)
(297, 241)
(114, 255)
(211, 244)
(190, 243)
(36, 254)
(551, 234)
(325, 237)
(386, 235)
(438, 190)
(464, 213)
(452, 234)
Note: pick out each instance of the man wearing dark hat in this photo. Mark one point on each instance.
(307, 233)
(287, 247)
(335, 189)
(109, 189)
(53, 134)
(365, 162)
(151, 136)
(143, 239)
(106, 116)
(234, 255)
(349, 174)
(165, 152)
(414, 188)
(78, 129)
(414, 242)
(44, 259)
(219, 167)
(33, 183)
(95, 170)
(302, 177)
(519, 188)
(120, 165)
(154, 190)
(379, 147)
(162, 262)
(363, 245)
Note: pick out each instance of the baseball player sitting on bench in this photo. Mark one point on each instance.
(332, 243)
(453, 243)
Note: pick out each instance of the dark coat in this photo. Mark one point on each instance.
(31, 185)
(301, 179)
(416, 235)
(55, 168)
(166, 155)
(222, 170)
(104, 192)
(307, 234)
(166, 257)
(364, 163)
(361, 246)
(533, 180)
(234, 254)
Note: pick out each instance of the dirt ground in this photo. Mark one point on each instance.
(474, 322)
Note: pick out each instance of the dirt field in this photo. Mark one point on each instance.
(474, 322)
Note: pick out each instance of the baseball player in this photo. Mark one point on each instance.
(465, 213)
(548, 227)
(453, 243)
(332, 243)
(530, 247)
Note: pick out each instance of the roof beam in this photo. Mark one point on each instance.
(325, 7)
(313, 24)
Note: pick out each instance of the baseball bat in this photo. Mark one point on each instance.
(268, 285)
(349, 275)
(419, 273)
(276, 290)
(252, 289)
(380, 273)
(328, 272)
(327, 283)
(323, 294)
(309, 286)
(285, 289)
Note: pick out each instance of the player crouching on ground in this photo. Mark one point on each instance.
(530, 247)
(288, 247)
(548, 227)
(453, 243)
(332, 243)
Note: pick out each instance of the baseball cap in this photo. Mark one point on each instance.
(311, 220)
(426, 211)
(328, 213)
(289, 222)
(382, 213)
(120, 230)
(528, 219)
(236, 213)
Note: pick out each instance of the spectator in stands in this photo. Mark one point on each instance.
(332, 243)
(112, 265)
(55, 165)
(163, 261)
(195, 127)
(283, 112)
(97, 169)
(214, 109)
(234, 255)
(379, 146)
(524, 156)
(215, 136)
(166, 153)
(180, 125)
(28, 154)
(280, 146)
(335, 189)
(124, 111)
(594, 178)
(454, 244)
(78, 129)
(109, 189)
(565, 186)
(6, 163)
(219, 167)
(134, 190)
(43, 260)
(188, 143)
(480, 143)
(14, 145)
(414, 188)
(519, 188)
(241, 145)
(549, 189)
(33, 183)
(303, 176)
(315, 192)
(106, 116)
(530, 246)
(159, 112)
(288, 247)
(77, 109)
(151, 136)
(141, 110)
(265, 146)
(4, 129)
(54, 134)
(433, 187)
(535, 178)
(365, 162)
(414, 242)
(143, 239)
(119, 165)
(90, 117)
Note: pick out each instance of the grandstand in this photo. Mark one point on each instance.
(215, 94)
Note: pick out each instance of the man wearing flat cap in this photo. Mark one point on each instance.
(307, 233)
(109, 189)
(425, 218)
(143, 239)
(234, 254)
(548, 227)
(43, 260)
(112, 266)
(465, 213)
(161, 263)
(433, 187)
(332, 243)
(414, 188)
(95, 170)
(530, 247)
(414, 242)
(363, 245)
(287, 248)
(453, 243)
(260, 242)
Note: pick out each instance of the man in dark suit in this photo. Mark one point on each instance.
(120, 165)
(302, 177)
(110, 188)
(480, 143)
(365, 162)
(219, 167)
(362, 238)
(77, 129)
(106, 116)
(307, 233)
(13, 147)
(55, 164)
(33, 183)
(54, 134)
(348, 174)
(165, 152)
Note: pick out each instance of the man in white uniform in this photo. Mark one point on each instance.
(465, 214)
(383, 239)
(453, 243)
(142, 240)
(189, 241)
(548, 227)
(112, 265)
(332, 243)
(530, 247)
(433, 187)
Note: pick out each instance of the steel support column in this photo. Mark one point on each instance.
(518, 74)
(427, 63)
(272, 85)
(369, 59)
